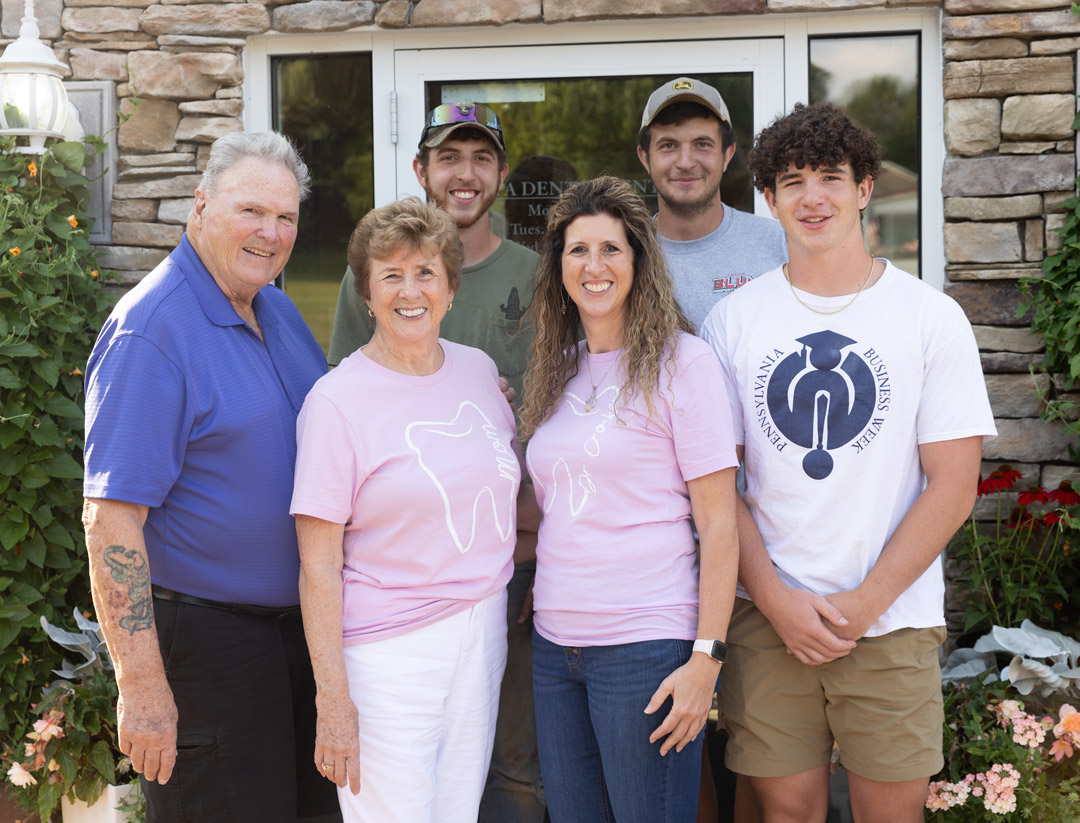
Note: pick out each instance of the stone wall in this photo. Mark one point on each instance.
(1009, 85)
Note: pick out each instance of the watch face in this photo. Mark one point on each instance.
(719, 651)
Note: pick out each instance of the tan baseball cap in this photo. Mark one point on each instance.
(689, 89)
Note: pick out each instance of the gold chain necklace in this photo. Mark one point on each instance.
(787, 277)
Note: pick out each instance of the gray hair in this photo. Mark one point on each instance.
(270, 146)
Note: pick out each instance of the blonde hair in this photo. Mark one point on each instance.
(408, 223)
(652, 315)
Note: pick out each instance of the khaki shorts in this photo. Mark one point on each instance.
(881, 703)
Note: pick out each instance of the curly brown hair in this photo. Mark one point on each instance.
(818, 135)
(652, 315)
(408, 223)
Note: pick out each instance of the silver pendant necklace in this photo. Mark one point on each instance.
(591, 402)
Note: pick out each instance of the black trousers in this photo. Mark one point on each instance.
(245, 695)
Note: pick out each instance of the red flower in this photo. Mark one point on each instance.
(1009, 472)
(1052, 518)
(1019, 517)
(1036, 494)
(1064, 495)
(996, 482)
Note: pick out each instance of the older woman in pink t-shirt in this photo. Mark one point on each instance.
(630, 436)
(407, 479)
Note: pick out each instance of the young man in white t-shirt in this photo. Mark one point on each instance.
(860, 411)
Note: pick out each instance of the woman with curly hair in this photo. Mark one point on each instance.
(630, 436)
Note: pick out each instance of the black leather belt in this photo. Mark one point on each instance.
(161, 593)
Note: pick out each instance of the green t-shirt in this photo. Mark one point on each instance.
(487, 312)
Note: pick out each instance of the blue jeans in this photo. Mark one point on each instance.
(513, 793)
(593, 734)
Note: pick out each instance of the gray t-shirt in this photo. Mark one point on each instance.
(711, 267)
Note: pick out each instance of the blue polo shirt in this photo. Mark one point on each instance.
(189, 413)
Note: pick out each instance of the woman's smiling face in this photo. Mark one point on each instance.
(410, 294)
(598, 269)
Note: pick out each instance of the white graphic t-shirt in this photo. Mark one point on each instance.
(424, 473)
(615, 560)
(832, 409)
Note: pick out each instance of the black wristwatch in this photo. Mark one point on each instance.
(716, 649)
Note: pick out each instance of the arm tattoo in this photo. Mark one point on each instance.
(129, 566)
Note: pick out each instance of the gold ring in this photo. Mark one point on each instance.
(326, 767)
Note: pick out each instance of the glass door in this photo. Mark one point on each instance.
(573, 111)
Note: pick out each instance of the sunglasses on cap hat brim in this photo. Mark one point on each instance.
(449, 117)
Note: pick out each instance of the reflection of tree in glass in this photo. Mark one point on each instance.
(885, 105)
(325, 107)
(592, 122)
(820, 80)
(889, 108)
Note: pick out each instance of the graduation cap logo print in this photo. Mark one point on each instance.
(821, 398)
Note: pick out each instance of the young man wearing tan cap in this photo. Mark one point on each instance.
(686, 143)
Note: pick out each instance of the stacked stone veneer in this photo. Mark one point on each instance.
(1010, 99)
(1009, 86)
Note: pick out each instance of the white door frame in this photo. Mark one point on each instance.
(654, 46)
(414, 68)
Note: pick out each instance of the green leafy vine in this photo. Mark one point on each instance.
(52, 303)
(1054, 300)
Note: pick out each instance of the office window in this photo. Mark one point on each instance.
(876, 78)
(323, 102)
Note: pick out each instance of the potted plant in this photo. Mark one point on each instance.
(67, 751)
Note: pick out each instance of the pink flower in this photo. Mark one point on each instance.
(1027, 731)
(1006, 710)
(1069, 726)
(48, 728)
(19, 776)
(1060, 749)
(999, 783)
(942, 795)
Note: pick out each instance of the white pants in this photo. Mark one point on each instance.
(427, 702)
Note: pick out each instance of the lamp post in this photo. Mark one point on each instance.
(33, 103)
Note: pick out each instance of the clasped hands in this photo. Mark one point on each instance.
(821, 628)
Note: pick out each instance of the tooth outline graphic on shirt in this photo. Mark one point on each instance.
(507, 463)
(591, 447)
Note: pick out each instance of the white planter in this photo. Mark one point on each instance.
(103, 810)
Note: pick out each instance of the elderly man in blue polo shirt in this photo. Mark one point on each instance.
(192, 393)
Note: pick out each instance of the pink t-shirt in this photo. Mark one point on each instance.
(616, 561)
(424, 473)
